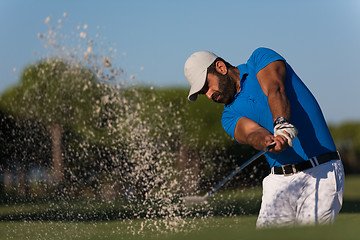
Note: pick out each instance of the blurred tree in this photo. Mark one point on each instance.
(56, 93)
(347, 140)
(25, 145)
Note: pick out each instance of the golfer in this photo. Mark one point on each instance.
(265, 101)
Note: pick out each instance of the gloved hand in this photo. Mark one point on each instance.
(287, 130)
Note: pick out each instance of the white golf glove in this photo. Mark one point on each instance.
(287, 130)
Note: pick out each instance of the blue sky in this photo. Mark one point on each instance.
(319, 38)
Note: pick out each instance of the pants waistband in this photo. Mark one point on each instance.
(291, 169)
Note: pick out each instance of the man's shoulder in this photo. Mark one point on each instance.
(261, 50)
(264, 52)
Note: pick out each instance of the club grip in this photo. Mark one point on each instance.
(271, 146)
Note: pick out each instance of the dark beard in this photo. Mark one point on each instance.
(227, 90)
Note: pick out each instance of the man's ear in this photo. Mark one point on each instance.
(221, 67)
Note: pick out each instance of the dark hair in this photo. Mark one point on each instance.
(212, 67)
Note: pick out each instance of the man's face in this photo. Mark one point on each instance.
(219, 88)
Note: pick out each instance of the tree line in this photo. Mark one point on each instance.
(65, 133)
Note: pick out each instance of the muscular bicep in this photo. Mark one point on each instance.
(245, 128)
(272, 77)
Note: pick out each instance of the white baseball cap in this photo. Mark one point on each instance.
(196, 71)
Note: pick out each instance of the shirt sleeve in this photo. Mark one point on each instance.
(241, 107)
(228, 120)
(262, 57)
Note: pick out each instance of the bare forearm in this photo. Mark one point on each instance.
(272, 80)
(249, 132)
(259, 139)
(279, 104)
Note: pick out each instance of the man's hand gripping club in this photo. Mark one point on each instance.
(283, 128)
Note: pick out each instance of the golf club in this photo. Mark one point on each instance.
(201, 199)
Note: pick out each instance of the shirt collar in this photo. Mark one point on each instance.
(243, 73)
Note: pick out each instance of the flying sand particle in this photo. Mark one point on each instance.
(83, 35)
(107, 62)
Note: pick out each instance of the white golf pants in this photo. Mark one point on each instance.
(309, 197)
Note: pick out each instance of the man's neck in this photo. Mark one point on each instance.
(235, 75)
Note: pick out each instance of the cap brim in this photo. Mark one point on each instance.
(195, 88)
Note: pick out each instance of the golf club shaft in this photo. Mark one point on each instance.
(262, 152)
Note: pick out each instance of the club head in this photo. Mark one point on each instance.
(190, 200)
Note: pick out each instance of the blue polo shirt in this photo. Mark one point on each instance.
(313, 138)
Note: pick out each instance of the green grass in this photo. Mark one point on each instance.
(346, 227)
